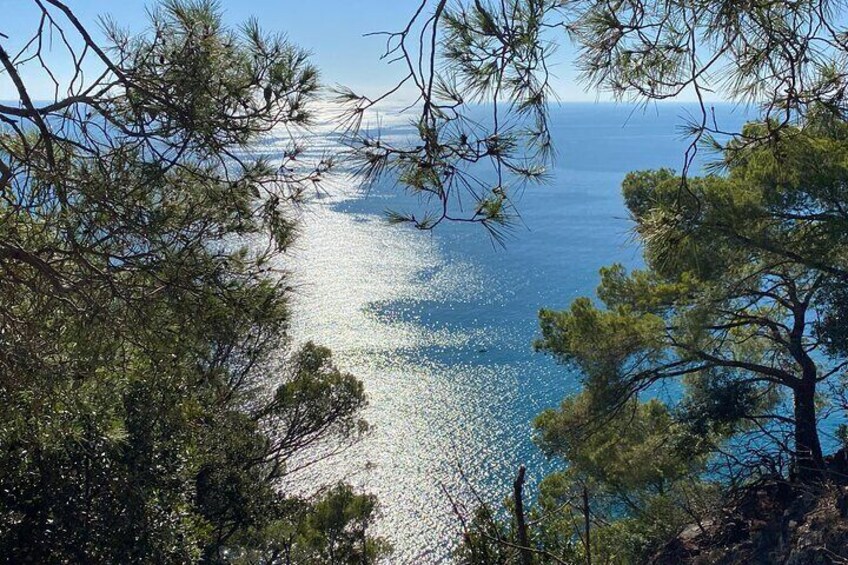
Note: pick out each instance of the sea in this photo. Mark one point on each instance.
(439, 325)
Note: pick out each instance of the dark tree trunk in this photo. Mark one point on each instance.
(587, 525)
(521, 523)
(809, 462)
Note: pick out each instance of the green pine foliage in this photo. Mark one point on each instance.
(726, 348)
(150, 412)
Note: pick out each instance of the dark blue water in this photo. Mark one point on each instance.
(440, 325)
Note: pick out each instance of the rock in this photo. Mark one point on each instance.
(773, 522)
(842, 502)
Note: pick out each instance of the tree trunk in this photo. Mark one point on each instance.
(521, 523)
(809, 462)
(587, 525)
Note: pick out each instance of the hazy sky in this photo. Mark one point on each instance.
(332, 30)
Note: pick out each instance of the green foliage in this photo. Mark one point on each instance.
(639, 469)
(458, 57)
(616, 335)
(464, 55)
(634, 474)
(330, 529)
(641, 449)
(335, 530)
(744, 271)
(149, 409)
(739, 309)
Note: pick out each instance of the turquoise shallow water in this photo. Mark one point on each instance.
(439, 325)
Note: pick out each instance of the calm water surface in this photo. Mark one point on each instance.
(439, 326)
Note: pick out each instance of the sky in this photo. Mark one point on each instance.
(332, 30)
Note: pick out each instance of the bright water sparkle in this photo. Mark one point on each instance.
(440, 326)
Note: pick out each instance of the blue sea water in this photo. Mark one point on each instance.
(440, 325)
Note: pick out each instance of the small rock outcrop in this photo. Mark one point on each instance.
(771, 522)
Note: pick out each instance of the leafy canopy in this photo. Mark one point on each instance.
(150, 410)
